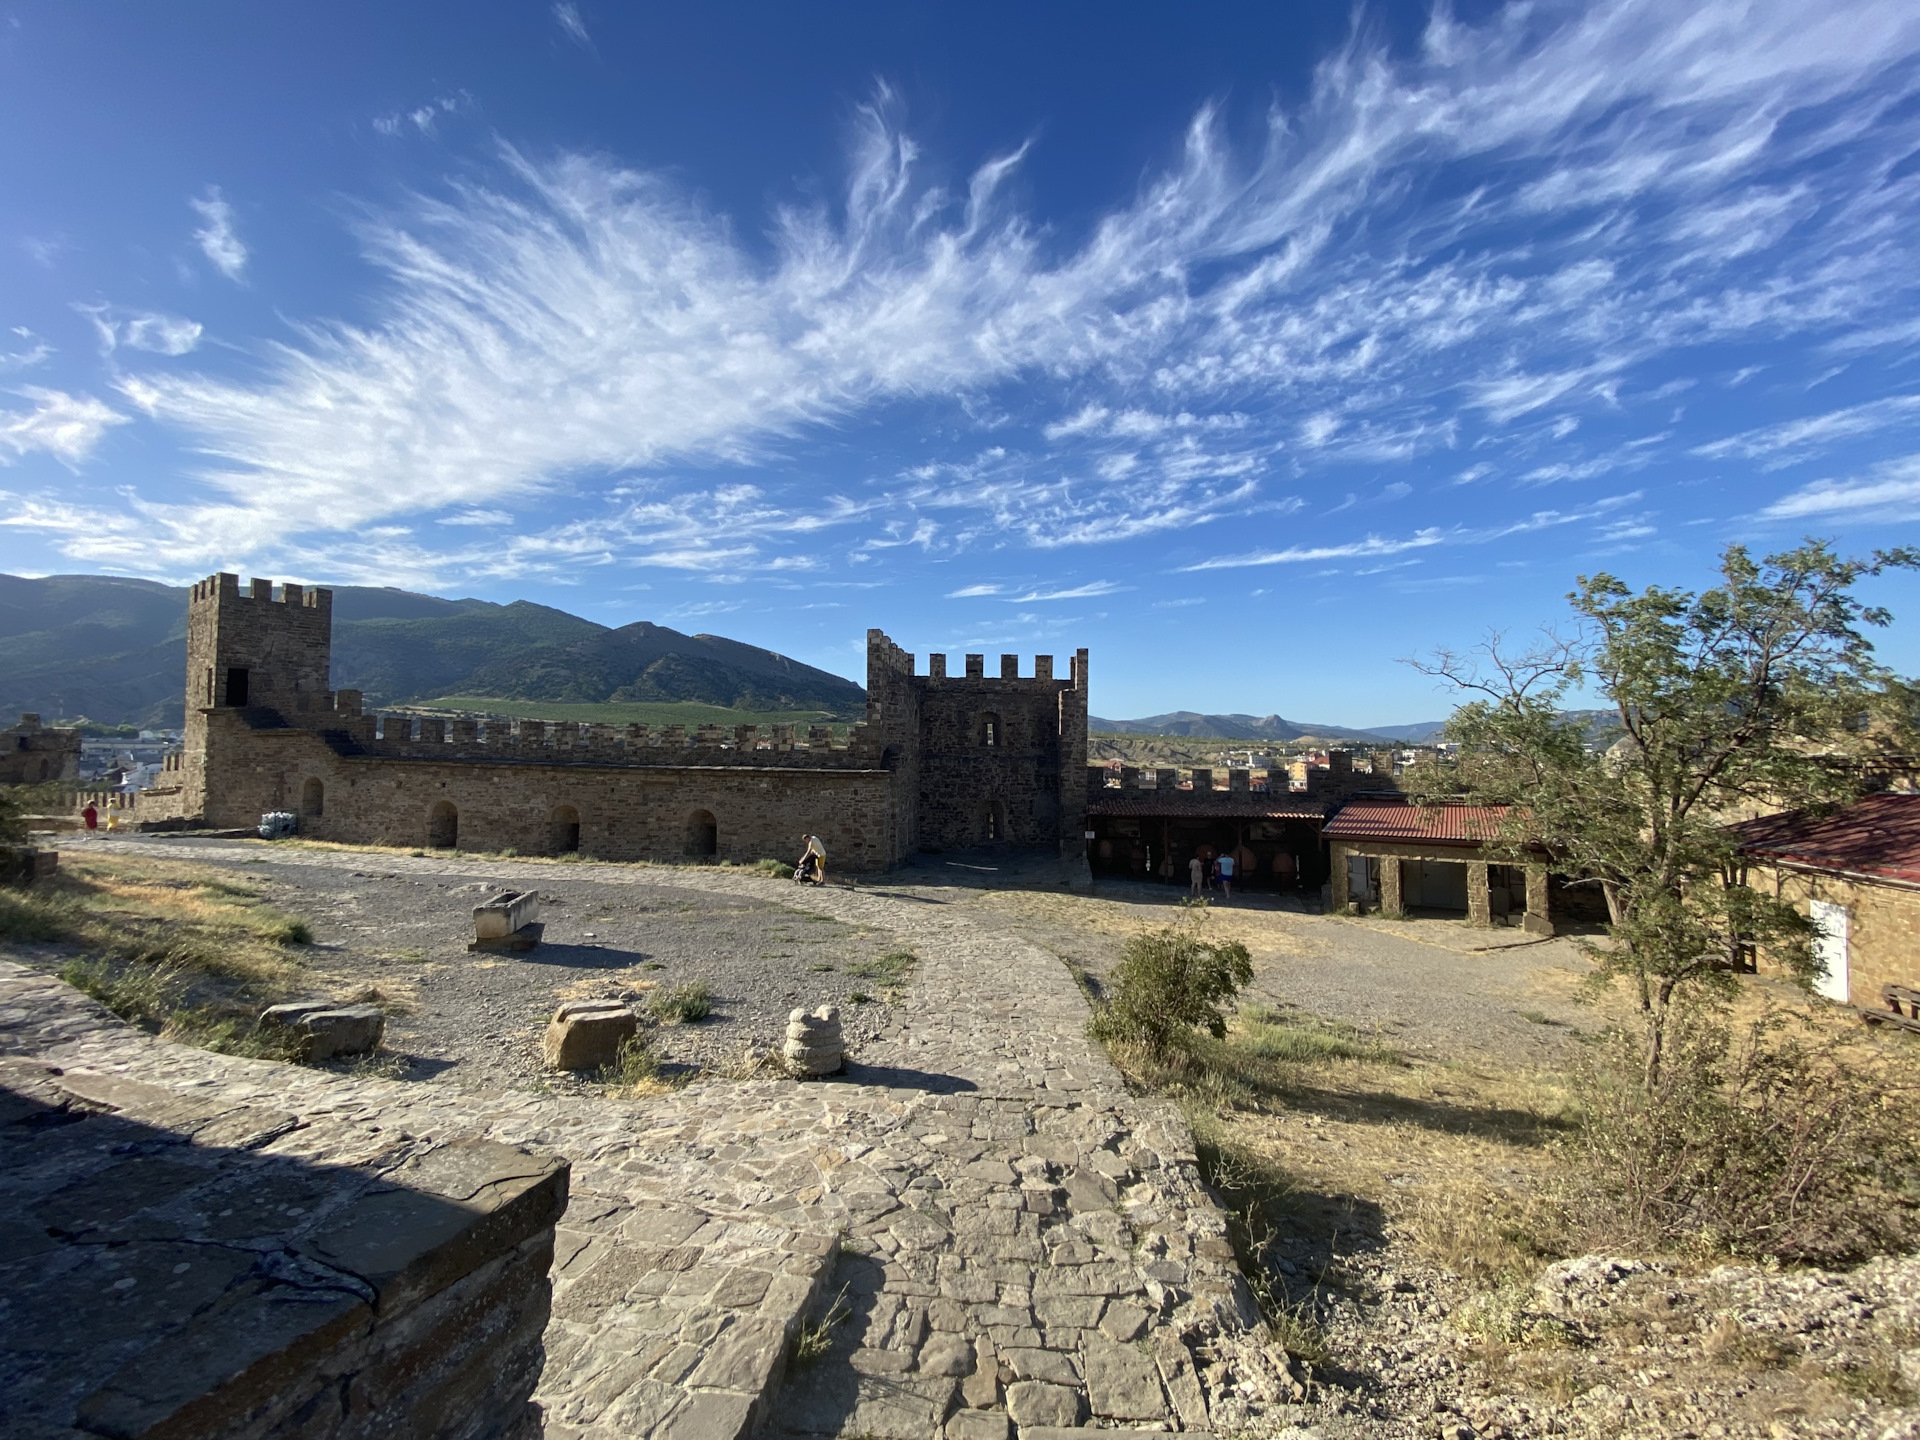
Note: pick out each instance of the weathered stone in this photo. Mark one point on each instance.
(348, 1030)
(982, 1388)
(504, 914)
(1034, 1402)
(587, 1034)
(1030, 1363)
(1123, 1322)
(1183, 1386)
(1123, 1383)
(977, 1425)
(946, 1354)
(320, 1029)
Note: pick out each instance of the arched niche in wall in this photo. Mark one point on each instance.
(313, 799)
(563, 830)
(703, 835)
(443, 826)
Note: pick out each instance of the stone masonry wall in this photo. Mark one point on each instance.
(1024, 788)
(192, 1266)
(1883, 929)
(623, 812)
(31, 753)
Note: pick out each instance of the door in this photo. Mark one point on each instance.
(1830, 949)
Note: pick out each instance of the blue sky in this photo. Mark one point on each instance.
(1252, 346)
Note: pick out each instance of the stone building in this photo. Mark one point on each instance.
(1856, 873)
(940, 761)
(31, 753)
(1389, 856)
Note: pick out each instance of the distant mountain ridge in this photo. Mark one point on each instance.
(1193, 725)
(114, 650)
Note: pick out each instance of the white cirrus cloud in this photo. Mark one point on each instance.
(1894, 487)
(571, 322)
(1793, 440)
(148, 330)
(67, 427)
(217, 238)
(33, 351)
(566, 15)
(1426, 538)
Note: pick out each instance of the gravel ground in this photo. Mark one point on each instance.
(476, 1020)
(1433, 988)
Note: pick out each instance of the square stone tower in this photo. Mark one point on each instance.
(266, 658)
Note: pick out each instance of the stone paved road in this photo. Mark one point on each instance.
(998, 1231)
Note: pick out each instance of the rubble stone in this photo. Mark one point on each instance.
(587, 1034)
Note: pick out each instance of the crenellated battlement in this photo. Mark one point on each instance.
(225, 586)
(975, 673)
(404, 736)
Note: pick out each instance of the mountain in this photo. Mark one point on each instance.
(114, 650)
(1229, 727)
(1414, 734)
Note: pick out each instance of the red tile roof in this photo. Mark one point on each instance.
(1448, 823)
(1877, 835)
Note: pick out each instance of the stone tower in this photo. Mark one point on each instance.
(248, 652)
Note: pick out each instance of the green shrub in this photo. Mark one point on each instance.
(1773, 1143)
(1168, 984)
(683, 1004)
(1302, 1039)
(766, 865)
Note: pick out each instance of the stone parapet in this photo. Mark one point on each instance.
(205, 1267)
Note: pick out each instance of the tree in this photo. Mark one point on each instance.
(1759, 694)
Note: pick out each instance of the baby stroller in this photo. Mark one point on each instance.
(803, 873)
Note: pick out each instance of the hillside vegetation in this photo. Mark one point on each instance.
(114, 650)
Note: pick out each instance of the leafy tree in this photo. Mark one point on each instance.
(1758, 694)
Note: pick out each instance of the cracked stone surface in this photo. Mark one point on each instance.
(977, 1219)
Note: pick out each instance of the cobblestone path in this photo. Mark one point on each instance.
(978, 1228)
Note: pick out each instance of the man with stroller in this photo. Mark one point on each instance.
(813, 861)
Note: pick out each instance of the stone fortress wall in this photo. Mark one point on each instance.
(940, 761)
(32, 753)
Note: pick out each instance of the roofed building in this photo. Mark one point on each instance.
(1856, 874)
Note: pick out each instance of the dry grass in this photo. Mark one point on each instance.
(180, 950)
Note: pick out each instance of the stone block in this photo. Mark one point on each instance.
(1123, 1383)
(321, 1030)
(977, 1425)
(946, 1354)
(587, 1034)
(1034, 1402)
(504, 914)
(1123, 1322)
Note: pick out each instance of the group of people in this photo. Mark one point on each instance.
(1214, 874)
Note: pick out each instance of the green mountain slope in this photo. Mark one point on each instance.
(114, 650)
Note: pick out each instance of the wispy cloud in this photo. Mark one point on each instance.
(422, 119)
(33, 351)
(1249, 318)
(67, 427)
(1375, 545)
(566, 15)
(217, 238)
(143, 330)
(1794, 440)
(1893, 488)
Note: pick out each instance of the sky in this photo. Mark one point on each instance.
(1254, 347)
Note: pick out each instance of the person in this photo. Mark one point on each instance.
(91, 817)
(1225, 866)
(813, 860)
(1195, 869)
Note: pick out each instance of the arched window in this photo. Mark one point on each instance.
(313, 799)
(990, 733)
(563, 830)
(443, 826)
(703, 835)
